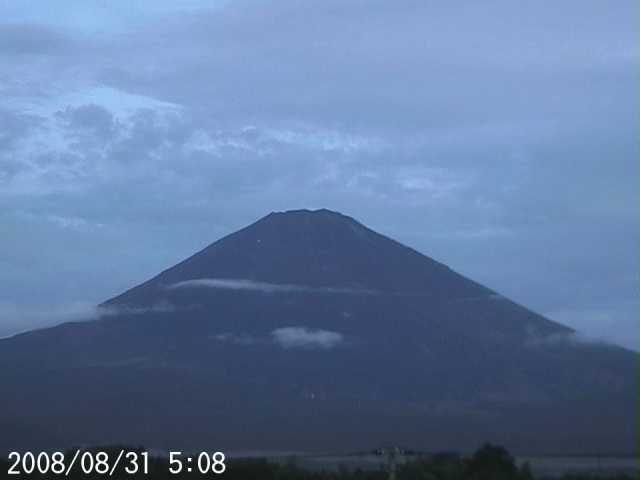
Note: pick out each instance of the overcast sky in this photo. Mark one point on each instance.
(498, 137)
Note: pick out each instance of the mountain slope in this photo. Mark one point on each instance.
(316, 249)
(307, 330)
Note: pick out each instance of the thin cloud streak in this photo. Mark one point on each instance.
(287, 338)
(244, 284)
(16, 319)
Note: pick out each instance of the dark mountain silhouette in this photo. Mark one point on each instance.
(315, 249)
(309, 331)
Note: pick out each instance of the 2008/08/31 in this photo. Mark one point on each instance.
(130, 462)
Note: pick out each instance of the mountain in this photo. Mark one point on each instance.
(308, 331)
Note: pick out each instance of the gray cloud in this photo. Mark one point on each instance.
(30, 39)
(92, 118)
(420, 66)
(15, 126)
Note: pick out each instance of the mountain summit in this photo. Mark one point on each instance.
(308, 331)
(315, 249)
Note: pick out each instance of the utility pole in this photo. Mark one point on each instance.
(392, 461)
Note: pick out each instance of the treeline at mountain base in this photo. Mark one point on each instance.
(489, 462)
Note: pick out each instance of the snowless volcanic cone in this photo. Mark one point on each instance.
(308, 331)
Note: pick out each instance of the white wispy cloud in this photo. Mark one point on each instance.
(244, 284)
(302, 337)
(158, 307)
(294, 337)
(16, 318)
(237, 339)
(614, 324)
(565, 339)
